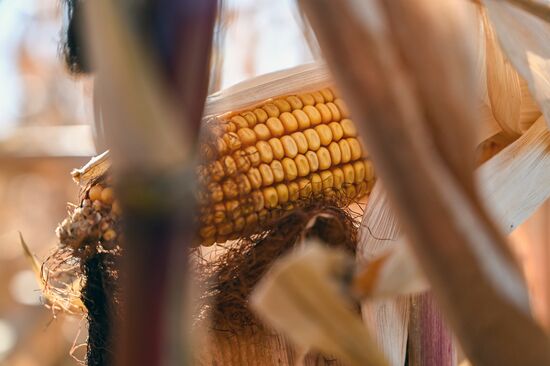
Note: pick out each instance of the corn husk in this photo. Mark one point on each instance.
(524, 38)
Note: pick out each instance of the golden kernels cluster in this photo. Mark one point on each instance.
(276, 156)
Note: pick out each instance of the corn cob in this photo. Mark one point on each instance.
(258, 164)
(274, 157)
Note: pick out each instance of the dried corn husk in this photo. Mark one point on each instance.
(300, 297)
(524, 38)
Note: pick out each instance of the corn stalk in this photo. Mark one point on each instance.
(389, 59)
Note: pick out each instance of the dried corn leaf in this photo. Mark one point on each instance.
(514, 183)
(301, 298)
(95, 168)
(387, 319)
(465, 252)
(524, 38)
(503, 83)
(66, 299)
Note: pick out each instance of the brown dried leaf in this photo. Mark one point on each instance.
(524, 38)
(382, 75)
(300, 297)
(503, 83)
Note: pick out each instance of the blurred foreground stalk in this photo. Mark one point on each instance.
(152, 120)
(390, 60)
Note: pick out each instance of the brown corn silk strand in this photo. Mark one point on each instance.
(235, 336)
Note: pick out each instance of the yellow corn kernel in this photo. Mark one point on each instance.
(325, 134)
(215, 171)
(261, 115)
(225, 228)
(232, 209)
(327, 95)
(313, 161)
(271, 110)
(307, 99)
(338, 176)
(345, 150)
(313, 140)
(239, 121)
(302, 119)
(283, 105)
(335, 154)
(369, 170)
(215, 191)
(243, 184)
(266, 153)
(207, 231)
(350, 191)
(359, 169)
(108, 195)
(318, 97)
(230, 127)
(219, 213)
(255, 178)
(289, 146)
(326, 115)
(349, 174)
(95, 192)
(289, 122)
(258, 200)
(277, 170)
(295, 102)
(275, 126)
(270, 197)
(251, 219)
(230, 189)
(232, 140)
(241, 161)
(247, 136)
(282, 193)
(355, 148)
(290, 169)
(277, 148)
(348, 127)
(302, 165)
(313, 114)
(293, 191)
(337, 131)
(301, 142)
(327, 179)
(229, 165)
(251, 118)
(262, 132)
(316, 183)
(221, 146)
(324, 158)
(253, 155)
(267, 175)
(304, 187)
(336, 116)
